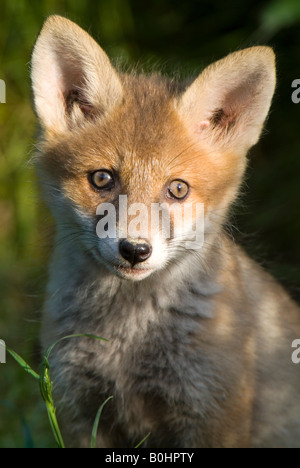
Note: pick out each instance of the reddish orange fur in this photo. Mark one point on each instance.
(155, 142)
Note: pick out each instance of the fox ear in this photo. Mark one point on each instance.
(229, 101)
(72, 77)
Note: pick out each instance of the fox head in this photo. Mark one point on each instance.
(108, 137)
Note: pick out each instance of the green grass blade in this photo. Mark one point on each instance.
(54, 425)
(95, 337)
(46, 387)
(46, 393)
(45, 382)
(143, 440)
(23, 364)
(96, 423)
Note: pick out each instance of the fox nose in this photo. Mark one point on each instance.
(135, 251)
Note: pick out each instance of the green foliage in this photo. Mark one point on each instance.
(170, 35)
(46, 386)
(26, 367)
(278, 14)
(96, 423)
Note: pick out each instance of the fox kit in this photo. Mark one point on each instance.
(199, 336)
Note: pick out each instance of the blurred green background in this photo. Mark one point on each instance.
(170, 35)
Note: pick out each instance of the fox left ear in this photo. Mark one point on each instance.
(229, 101)
(72, 77)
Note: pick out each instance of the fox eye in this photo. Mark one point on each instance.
(102, 179)
(178, 189)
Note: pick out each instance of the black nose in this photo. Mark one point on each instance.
(135, 251)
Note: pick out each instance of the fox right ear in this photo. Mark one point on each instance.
(229, 102)
(72, 77)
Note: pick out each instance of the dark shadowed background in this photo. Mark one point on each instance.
(170, 35)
